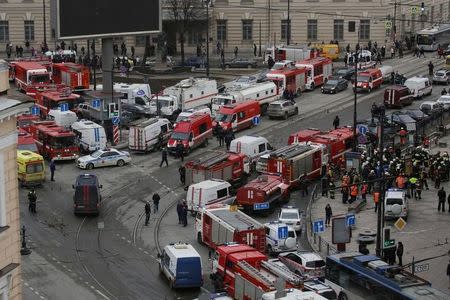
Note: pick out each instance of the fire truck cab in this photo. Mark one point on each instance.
(319, 69)
(53, 100)
(290, 79)
(29, 76)
(368, 80)
(72, 75)
(237, 116)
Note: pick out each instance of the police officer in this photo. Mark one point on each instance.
(32, 199)
(147, 212)
(182, 172)
(180, 150)
(156, 199)
(164, 157)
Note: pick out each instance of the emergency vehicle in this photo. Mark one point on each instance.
(221, 224)
(44, 61)
(90, 136)
(303, 135)
(330, 51)
(25, 120)
(293, 53)
(53, 141)
(263, 92)
(62, 118)
(397, 96)
(231, 167)
(25, 141)
(192, 133)
(318, 71)
(72, 75)
(368, 80)
(262, 193)
(237, 116)
(53, 99)
(212, 191)
(245, 273)
(30, 167)
(364, 60)
(294, 161)
(144, 134)
(289, 79)
(4, 77)
(30, 76)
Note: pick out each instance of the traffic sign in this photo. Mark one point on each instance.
(260, 206)
(35, 110)
(140, 93)
(350, 220)
(414, 10)
(400, 224)
(388, 24)
(421, 268)
(96, 103)
(64, 107)
(282, 232)
(318, 226)
(389, 243)
(363, 129)
(115, 120)
(256, 120)
(233, 207)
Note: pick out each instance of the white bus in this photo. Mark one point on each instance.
(430, 38)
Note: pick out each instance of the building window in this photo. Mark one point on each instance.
(4, 31)
(312, 29)
(364, 30)
(222, 30)
(247, 30)
(285, 32)
(338, 30)
(29, 30)
(2, 191)
(140, 40)
(195, 37)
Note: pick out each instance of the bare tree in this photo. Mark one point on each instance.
(183, 13)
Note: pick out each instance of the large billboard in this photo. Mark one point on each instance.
(83, 19)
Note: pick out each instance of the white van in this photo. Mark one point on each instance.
(280, 237)
(208, 192)
(252, 146)
(419, 86)
(386, 72)
(143, 134)
(292, 294)
(396, 204)
(62, 118)
(90, 135)
(182, 265)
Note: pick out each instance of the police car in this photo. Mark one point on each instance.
(104, 158)
(292, 217)
(280, 237)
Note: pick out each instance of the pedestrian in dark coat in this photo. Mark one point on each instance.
(448, 271)
(336, 122)
(219, 134)
(164, 157)
(228, 139)
(32, 199)
(184, 211)
(182, 172)
(180, 150)
(236, 49)
(441, 196)
(179, 212)
(400, 253)
(254, 49)
(147, 212)
(156, 199)
(328, 214)
(52, 170)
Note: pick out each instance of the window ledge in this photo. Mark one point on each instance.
(4, 228)
(8, 268)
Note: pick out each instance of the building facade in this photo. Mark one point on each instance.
(10, 271)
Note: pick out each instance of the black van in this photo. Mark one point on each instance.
(87, 196)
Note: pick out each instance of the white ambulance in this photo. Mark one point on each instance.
(144, 133)
(90, 136)
(208, 192)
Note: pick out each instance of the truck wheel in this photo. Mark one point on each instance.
(89, 166)
(120, 163)
(342, 296)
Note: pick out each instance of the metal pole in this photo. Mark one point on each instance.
(259, 52)
(288, 23)
(394, 27)
(45, 25)
(355, 92)
(95, 65)
(207, 38)
(380, 209)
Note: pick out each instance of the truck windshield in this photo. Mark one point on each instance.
(363, 78)
(423, 39)
(39, 78)
(182, 136)
(223, 118)
(221, 101)
(164, 103)
(62, 142)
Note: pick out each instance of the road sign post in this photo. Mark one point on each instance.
(115, 120)
(319, 226)
(35, 111)
(400, 224)
(350, 220)
(256, 120)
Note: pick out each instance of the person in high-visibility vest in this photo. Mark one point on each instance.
(376, 198)
(353, 193)
(403, 134)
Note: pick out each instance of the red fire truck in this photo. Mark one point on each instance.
(43, 60)
(72, 75)
(245, 273)
(220, 224)
(25, 141)
(319, 70)
(48, 100)
(53, 141)
(336, 142)
(293, 53)
(294, 161)
(262, 193)
(294, 80)
(368, 80)
(24, 121)
(30, 76)
(232, 167)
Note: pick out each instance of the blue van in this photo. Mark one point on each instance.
(182, 265)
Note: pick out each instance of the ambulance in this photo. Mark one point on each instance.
(90, 135)
(31, 168)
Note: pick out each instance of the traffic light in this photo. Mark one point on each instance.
(387, 241)
(422, 7)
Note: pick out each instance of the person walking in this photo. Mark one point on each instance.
(328, 214)
(376, 199)
(228, 138)
(32, 199)
(147, 212)
(441, 196)
(392, 52)
(180, 150)
(448, 272)
(164, 157)
(353, 193)
(179, 212)
(400, 253)
(184, 212)
(236, 50)
(182, 172)
(156, 199)
(430, 68)
(52, 170)
(254, 49)
(336, 122)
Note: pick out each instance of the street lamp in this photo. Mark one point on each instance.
(45, 25)
(355, 92)
(207, 4)
(288, 33)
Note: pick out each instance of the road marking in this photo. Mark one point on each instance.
(145, 252)
(31, 288)
(101, 294)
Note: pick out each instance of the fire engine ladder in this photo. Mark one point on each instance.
(297, 150)
(255, 273)
(212, 160)
(283, 272)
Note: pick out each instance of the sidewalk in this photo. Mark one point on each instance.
(425, 235)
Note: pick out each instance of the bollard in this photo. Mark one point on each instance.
(320, 244)
(314, 237)
(328, 249)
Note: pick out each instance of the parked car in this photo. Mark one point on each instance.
(441, 76)
(304, 263)
(136, 109)
(445, 101)
(292, 217)
(282, 109)
(241, 62)
(346, 73)
(103, 158)
(430, 107)
(447, 51)
(334, 85)
(416, 114)
(194, 61)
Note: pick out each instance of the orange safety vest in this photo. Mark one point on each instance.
(376, 197)
(354, 190)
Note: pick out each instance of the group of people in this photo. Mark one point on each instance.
(147, 208)
(224, 136)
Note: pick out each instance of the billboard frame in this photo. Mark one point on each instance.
(106, 35)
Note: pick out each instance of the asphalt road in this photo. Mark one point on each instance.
(114, 256)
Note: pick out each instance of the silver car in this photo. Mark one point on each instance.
(441, 76)
(282, 109)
